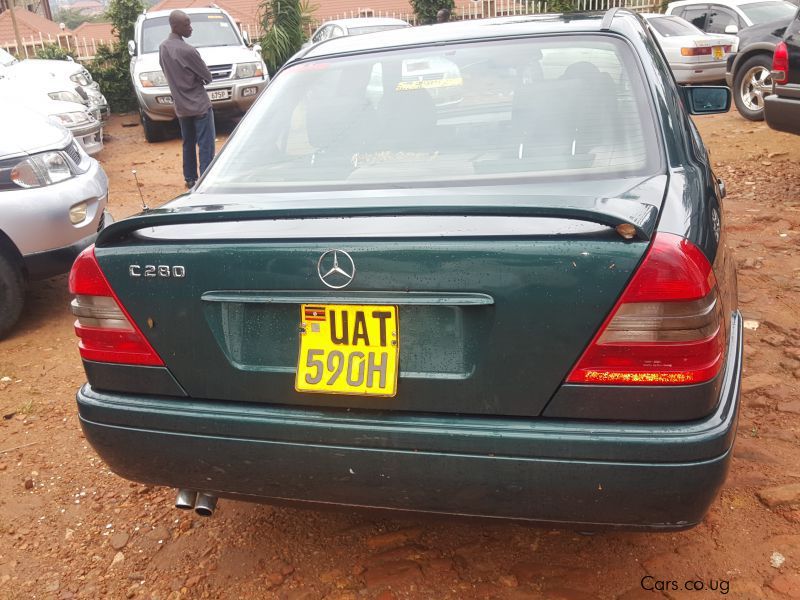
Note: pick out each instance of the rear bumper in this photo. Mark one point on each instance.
(651, 476)
(699, 73)
(782, 114)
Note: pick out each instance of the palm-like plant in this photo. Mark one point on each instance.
(284, 23)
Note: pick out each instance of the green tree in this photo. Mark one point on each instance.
(110, 65)
(284, 23)
(54, 52)
(426, 10)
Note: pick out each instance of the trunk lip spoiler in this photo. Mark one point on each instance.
(339, 297)
(611, 212)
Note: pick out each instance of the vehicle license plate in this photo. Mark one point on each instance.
(719, 53)
(348, 349)
(219, 94)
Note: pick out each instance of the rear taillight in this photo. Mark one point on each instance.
(666, 329)
(780, 64)
(106, 331)
(696, 51)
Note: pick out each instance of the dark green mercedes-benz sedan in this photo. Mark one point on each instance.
(476, 268)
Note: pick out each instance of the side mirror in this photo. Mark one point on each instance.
(706, 99)
(246, 37)
(131, 47)
(731, 29)
(257, 48)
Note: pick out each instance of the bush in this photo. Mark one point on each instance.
(426, 10)
(54, 52)
(284, 23)
(110, 70)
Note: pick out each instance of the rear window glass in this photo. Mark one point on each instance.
(763, 12)
(208, 29)
(672, 26)
(561, 107)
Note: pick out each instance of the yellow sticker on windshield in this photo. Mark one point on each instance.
(427, 84)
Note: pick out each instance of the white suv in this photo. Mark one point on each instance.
(239, 72)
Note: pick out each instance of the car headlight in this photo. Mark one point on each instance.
(72, 118)
(247, 70)
(37, 170)
(66, 96)
(80, 78)
(152, 79)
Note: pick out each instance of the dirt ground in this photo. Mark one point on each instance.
(69, 528)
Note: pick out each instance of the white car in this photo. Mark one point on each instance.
(72, 79)
(39, 98)
(359, 26)
(54, 198)
(730, 16)
(693, 56)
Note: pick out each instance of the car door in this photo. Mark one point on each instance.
(696, 15)
(721, 17)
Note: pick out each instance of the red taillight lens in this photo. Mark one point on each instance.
(106, 331)
(780, 64)
(666, 329)
(706, 51)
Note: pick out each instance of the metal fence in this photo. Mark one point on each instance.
(85, 48)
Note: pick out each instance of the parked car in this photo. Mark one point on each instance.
(356, 26)
(520, 305)
(69, 78)
(693, 55)
(782, 108)
(54, 198)
(730, 16)
(6, 60)
(239, 71)
(85, 128)
(757, 23)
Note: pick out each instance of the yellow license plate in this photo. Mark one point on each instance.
(719, 53)
(348, 349)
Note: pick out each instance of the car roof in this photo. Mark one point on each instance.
(366, 22)
(188, 11)
(464, 30)
(731, 3)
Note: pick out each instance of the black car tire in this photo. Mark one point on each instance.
(153, 131)
(751, 82)
(12, 294)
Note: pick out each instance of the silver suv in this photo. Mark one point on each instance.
(54, 198)
(238, 70)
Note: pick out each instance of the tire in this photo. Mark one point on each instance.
(751, 82)
(153, 130)
(12, 294)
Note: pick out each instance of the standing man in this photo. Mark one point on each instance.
(443, 16)
(186, 75)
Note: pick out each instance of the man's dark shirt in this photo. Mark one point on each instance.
(186, 74)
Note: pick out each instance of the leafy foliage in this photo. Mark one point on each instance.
(54, 52)
(72, 17)
(284, 23)
(426, 10)
(110, 65)
(562, 6)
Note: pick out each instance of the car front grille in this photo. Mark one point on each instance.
(73, 152)
(220, 71)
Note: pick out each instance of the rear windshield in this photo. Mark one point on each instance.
(673, 26)
(373, 29)
(764, 12)
(208, 29)
(560, 107)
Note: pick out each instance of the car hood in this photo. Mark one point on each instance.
(35, 98)
(60, 69)
(28, 132)
(764, 32)
(211, 56)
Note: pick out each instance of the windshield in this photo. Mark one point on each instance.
(764, 12)
(6, 59)
(561, 107)
(208, 29)
(673, 26)
(373, 29)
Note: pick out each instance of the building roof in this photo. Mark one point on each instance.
(96, 31)
(30, 25)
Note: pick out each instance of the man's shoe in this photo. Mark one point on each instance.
(190, 184)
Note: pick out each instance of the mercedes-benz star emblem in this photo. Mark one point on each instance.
(336, 269)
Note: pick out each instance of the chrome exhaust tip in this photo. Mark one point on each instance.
(185, 499)
(205, 504)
